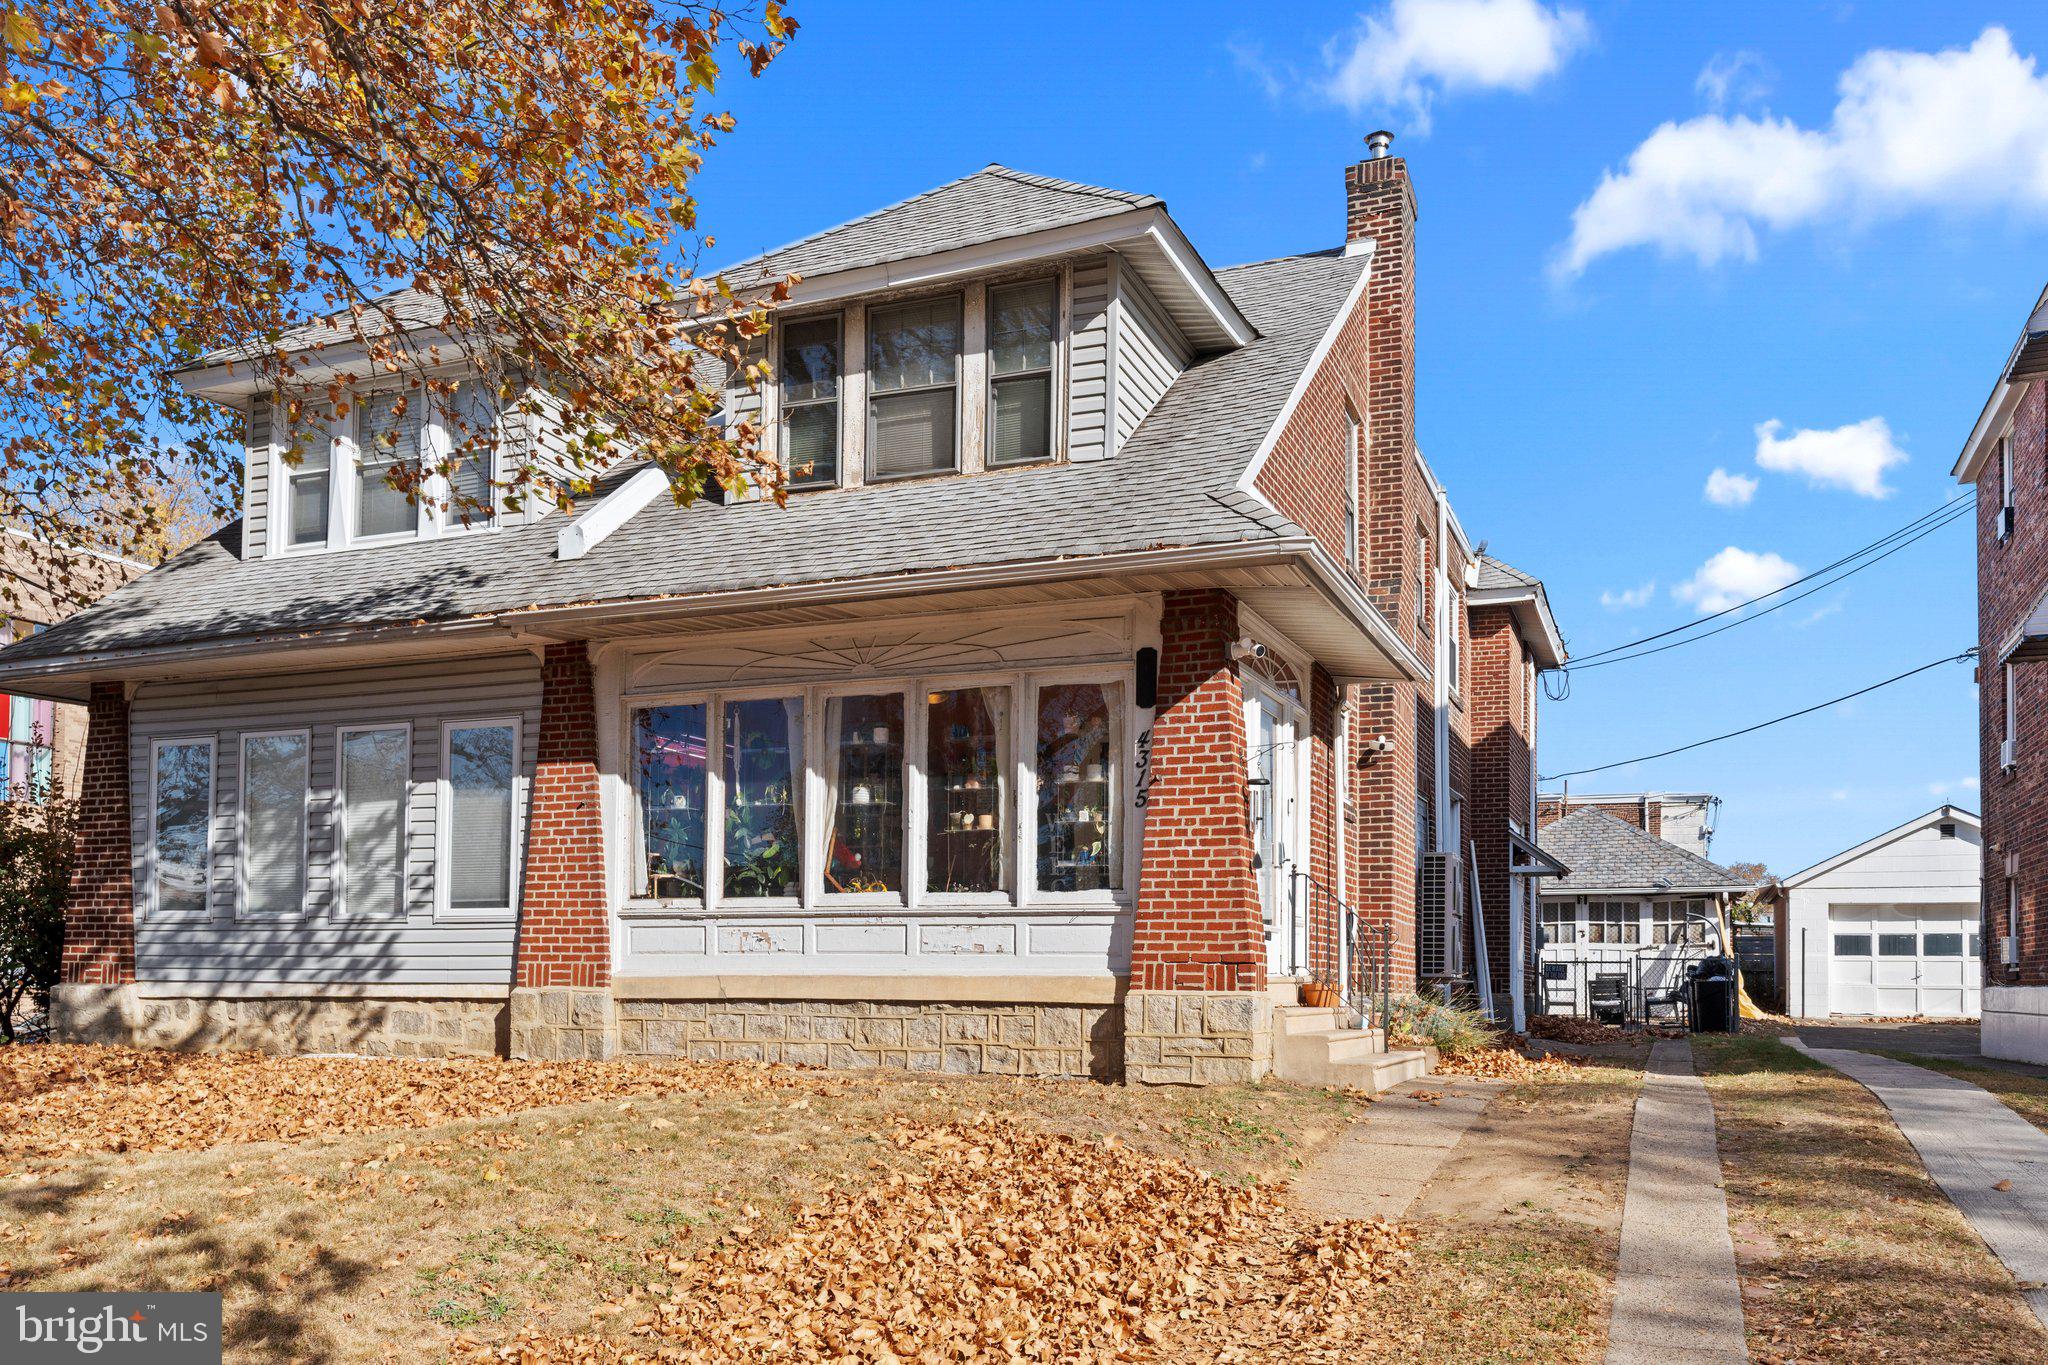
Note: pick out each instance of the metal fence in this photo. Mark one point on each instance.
(1647, 986)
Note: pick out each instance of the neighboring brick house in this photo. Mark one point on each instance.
(1112, 671)
(42, 742)
(1682, 818)
(2006, 459)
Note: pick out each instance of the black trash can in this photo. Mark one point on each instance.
(1713, 997)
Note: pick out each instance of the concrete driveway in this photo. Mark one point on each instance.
(1957, 1041)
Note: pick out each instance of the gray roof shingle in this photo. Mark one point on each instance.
(1494, 574)
(1173, 483)
(1605, 853)
(987, 206)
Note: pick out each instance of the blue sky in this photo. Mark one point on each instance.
(1841, 234)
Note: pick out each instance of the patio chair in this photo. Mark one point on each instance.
(1607, 998)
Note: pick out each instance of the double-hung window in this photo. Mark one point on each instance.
(275, 782)
(810, 402)
(307, 483)
(1023, 320)
(180, 826)
(388, 425)
(913, 388)
(375, 790)
(470, 439)
(479, 776)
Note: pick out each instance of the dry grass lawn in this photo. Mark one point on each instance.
(1848, 1250)
(2024, 1094)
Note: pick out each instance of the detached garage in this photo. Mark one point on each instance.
(1890, 927)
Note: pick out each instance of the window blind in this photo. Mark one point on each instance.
(389, 438)
(911, 434)
(913, 368)
(274, 823)
(308, 480)
(374, 786)
(482, 763)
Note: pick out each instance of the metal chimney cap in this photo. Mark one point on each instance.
(1378, 143)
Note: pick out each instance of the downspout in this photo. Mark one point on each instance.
(1440, 571)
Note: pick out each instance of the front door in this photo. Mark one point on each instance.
(1273, 774)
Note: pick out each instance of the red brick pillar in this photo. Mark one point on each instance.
(93, 1002)
(1197, 1010)
(561, 1005)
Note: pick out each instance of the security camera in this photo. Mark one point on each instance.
(1247, 649)
(1380, 744)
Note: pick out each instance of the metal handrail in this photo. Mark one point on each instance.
(1360, 971)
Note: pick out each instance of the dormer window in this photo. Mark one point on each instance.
(913, 389)
(810, 402)
(306, 502)
(387, 434)
(1022, 323)
(472, 444)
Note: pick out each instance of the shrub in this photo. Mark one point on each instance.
(37, 845)
(1449, 1028)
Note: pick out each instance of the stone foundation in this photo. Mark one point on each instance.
(1197, 1037)
(958, 1039)
(370, 1027)
(563, 1024)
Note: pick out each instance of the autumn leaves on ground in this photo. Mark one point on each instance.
(421, 1210)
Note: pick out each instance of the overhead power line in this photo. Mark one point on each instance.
(1610, 657)
(1920, 524)
(1766, 724)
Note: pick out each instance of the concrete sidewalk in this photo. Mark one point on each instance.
(1970, 1143)
(1676, 1295)
(1379, 1167)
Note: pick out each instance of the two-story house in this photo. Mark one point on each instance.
(2006, 460)
(1111, 672)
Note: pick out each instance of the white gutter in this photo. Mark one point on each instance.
(610, 512)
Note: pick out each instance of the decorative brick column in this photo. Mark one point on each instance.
(95, 1001)
(1197, 1010)
(562, 974)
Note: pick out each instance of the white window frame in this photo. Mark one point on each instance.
(437, 443)
(242, 907)
(340, 872)
(278, 537)
(2009, 746)
(351, 446)
(817, 836)
(1573, 927)
(1119, 783)
(444, 810)
(714, 799)
(153, 907)
(1055, 434)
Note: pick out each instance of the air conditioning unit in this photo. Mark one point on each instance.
(2008, 951)
(2005, 754)
(1439, 916)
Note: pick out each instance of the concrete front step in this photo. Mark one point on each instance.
(1309, 1049)
(1291, 1019)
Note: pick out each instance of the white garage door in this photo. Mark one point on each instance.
(1905, 960)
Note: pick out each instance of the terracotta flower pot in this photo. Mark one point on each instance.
(1319, 995)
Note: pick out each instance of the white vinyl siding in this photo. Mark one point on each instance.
(258, 447)
(1150, 353)
(1088, 384)
(319, 945)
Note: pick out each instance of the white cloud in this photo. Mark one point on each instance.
(1730, 490)
(1735, 78)
(1399, 59)
(1960, 129)
(1733, 576)
(1629, 597)
(1854, 457)
(1839, 794)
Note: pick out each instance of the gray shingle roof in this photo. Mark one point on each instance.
(1494, 574)
(1604, 853)
(987, 206)
(1172, 484)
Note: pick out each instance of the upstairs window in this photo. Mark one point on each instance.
(810, 402)
(1022, 319)
(469, 427)
(1354, 447)
(306, 483)
(2005, 505)
(387, 436)
(913, 389)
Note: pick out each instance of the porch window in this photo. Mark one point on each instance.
(480, 764)
(810, 402)
(913, 388)
(1560, 922)
(1077, 787)
(1613, 922)
(375, 789)
(180, 825)
(388, 436)
(670, 757)
(864, 851)
(967, 760)
(1678, 922)
(1022, 322)
(306, 483)
(764, 781)
(274, 793)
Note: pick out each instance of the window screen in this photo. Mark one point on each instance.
(274, 824)
(182, 808)
(483, 761)
(1852, 945)
(1022, 320)
(374, 786)
(473, 444)
(306, 482)
(810, 402)
(388, 436)
(913, 369)
(1898, 945)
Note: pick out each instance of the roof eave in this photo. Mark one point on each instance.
(1532, 613)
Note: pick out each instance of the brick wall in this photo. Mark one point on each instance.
(2011, 575)
(1198, 921)
(99, 918)
(564, 930)
(1643, 815)
(1501, 766)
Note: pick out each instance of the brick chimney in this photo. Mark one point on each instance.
(1379, 205)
